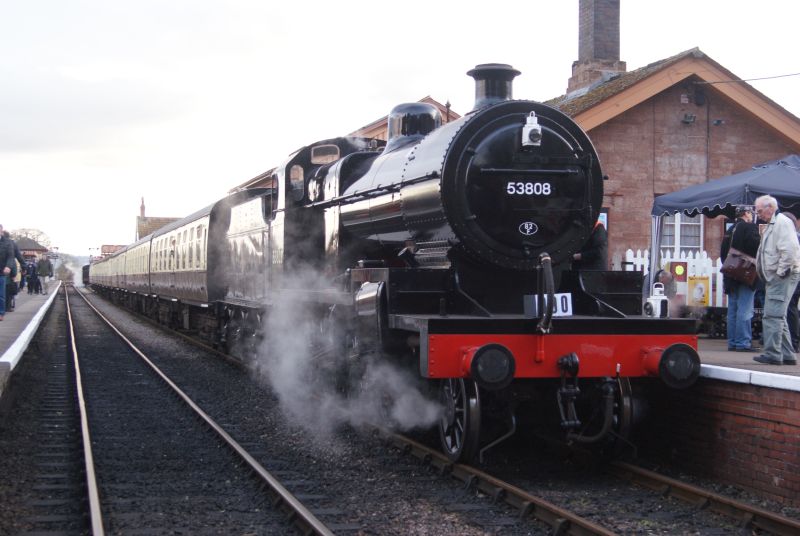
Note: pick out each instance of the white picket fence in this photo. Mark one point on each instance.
(698, 266)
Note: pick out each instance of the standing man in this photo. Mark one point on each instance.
(792, 318)
(778, 264)
(45, 269)
(594, 254)
(7, 262)
(743, 235)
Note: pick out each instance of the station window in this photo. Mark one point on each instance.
(682, 233)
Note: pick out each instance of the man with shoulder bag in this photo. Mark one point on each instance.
(741, 239)
(778, 263)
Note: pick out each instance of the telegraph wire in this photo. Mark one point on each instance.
(748, 79)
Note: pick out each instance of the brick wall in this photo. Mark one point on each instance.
(649, 150)
(745, 435)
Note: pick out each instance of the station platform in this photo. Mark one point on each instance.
(18, 328)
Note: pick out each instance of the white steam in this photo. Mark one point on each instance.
(77, 273)
(305, 364)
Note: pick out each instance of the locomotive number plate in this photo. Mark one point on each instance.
(528, 188)
(562, 306)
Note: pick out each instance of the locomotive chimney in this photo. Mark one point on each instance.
(493, 83)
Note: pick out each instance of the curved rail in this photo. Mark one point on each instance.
(95, 514)
(561, 521)
(282, 499)
(749, 516)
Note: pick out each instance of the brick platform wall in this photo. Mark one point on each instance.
(744, 435)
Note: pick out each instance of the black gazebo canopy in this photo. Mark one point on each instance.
(778, 178)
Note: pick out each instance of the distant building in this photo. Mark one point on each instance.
(30, 249)
(106, 249)
(677, 122)
(146, 225)
(377, 129)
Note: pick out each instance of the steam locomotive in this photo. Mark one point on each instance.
(446, 248)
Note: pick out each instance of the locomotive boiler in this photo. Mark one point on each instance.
(445, 248)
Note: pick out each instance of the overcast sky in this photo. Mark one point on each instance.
(105, 102)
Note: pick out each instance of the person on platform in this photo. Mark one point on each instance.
(743, 235)
(7, 262)
(792, 317)
(45, 270)
(34, 287)
(12, 284)
(594, 254)
(778, 264)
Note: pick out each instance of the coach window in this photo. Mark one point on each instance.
(197, 248)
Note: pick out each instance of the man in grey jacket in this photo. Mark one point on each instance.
(778, 265)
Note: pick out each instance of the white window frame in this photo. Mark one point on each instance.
(677, 227)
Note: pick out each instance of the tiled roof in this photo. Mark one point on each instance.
(28, 244)
(572, 106)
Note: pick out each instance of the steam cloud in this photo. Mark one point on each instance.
(303, 365)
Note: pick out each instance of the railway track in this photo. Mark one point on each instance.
(562, 520)
(465, 503)
(380, 473)
(748, 516)
(153, 459)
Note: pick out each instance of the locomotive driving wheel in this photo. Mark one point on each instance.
(460, 424)
(623, 417)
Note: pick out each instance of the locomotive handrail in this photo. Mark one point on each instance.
(545, 324)
(531, 171)
(379, 190)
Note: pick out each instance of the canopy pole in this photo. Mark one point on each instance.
(655, 252)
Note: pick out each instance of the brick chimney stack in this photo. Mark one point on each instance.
(598, 44)
(141, 208)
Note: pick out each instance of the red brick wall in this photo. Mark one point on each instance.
(745, 435)
(648, 150)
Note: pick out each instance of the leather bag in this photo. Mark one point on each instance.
(740, 267)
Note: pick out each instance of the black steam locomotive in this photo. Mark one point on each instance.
(446, 248)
